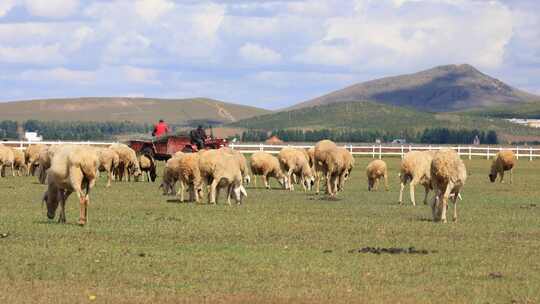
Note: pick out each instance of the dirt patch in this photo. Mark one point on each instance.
(392, 250)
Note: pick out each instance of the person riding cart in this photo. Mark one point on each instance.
(198, 137)
(160, 129)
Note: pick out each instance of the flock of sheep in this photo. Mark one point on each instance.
(71, 168)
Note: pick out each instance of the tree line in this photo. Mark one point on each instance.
(427, 136)
(73, 130)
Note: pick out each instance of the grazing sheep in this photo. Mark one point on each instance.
(129, 165)
(375, 171)
(108, 162)
(73, 169)
(171, 174)
(448, 175)
(190, 176)
(226, 174)
(7, 160)
(338, 166)
(415, 168)
(265, 164)
(295, 161)
(148, 166)
(320, 155)
(241, 161)
(45, 156)
(504, 161)
(31, 155)
(19, 162)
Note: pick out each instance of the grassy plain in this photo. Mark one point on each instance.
(279, 247)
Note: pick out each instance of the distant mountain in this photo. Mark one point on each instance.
(143, 110)
(440, 89)
(372, 116)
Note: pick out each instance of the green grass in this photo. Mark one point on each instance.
(375, 117)
(277, 247)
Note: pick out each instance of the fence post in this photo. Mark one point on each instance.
(261, 147)
(372, 151)
(410, 148)
(487, 153)
(459, 151)
(350, 148)
(530, 153)
(402, 152)
(517, 152)
(380, 151)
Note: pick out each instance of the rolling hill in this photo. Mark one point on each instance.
(142, 110)
(373, 116)
(440, 89)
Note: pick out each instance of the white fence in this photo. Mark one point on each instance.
(21, 145)
(378, 151)
(374, 151)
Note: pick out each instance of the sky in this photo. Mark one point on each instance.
(268, 54)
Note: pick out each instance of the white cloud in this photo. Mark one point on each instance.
(34, 54)
(52, 8)
(59, 74)
(140, 75)
(395, 36)
(254, 53)
(151, 10)
(6, 6)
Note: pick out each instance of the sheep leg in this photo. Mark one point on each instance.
(182, 192)
(12, 170)
(109, 178)
(265, 180)
(444, 202)
(456, 195)
(255, 180)
(212, 193)
(401, 188)
(63, 198)
(502, 177)
(229, 191)
(426, 189)
(290, 176)
(434, 203)
(329, 185)
(411, 191)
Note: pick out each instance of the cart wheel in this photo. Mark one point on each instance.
(187, 149)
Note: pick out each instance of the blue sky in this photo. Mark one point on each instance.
(268, 54)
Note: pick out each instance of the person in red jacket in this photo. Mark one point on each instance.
(160, 129)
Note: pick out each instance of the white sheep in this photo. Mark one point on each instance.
(190, 176)
(375, 171)
(226, 174)
(337, 168)
(147, 165)
(242, 162)
(31, 155)
(7, 159)
(415, 168)
(129, 164)
(19, 162)
(171, 175)
(267, 165)
(73, 169)
(45, 156)
(108, 162)
(448, 175)
(504, 161)
(320, 156)
(296, 162)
